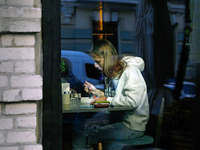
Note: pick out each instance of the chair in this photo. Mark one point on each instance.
(140, 142)
(145, 140)
(127, 144)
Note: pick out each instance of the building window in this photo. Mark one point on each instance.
(107, 31)
(104, 25)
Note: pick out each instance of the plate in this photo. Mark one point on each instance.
(86, 100)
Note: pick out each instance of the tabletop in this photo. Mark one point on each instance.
(85, 107)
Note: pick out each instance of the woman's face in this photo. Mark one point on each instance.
(99, 63)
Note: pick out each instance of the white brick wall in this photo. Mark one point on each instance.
(9, 148)
(24, 40)
(2, 139)
(28, 3)
(33, 147)
(25, 67)
(24, 12)
(21, 108)
(25, 147)
(6, 124)
(17, 53)
(2, 2)
(18, 123)
(31, 12)
(6, 67)
(26, 80)
(9, 12)
(33, 83)
(34, 94)
(11, 95)
(18, 40)
(3, 81)
(20, 26)
(27, 94)
(7, 40)
(20, 20)
(26, 122)
(21, 137)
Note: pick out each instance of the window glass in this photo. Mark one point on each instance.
(189, 89)
(92, 72)
(108, 31)
(77, 71)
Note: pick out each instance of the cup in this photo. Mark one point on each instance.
(65, 87)
(66, 97)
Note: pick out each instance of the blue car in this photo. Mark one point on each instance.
(188, 90)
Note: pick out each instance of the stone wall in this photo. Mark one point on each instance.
(20, 75)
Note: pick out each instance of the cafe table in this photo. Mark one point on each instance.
(85, 106)
(90, 108)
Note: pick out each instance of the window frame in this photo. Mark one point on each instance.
(52, 102)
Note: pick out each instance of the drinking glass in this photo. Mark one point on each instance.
(75, 100)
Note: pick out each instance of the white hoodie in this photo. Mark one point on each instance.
(131, 91)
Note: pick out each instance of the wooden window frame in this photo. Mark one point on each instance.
(52, 102)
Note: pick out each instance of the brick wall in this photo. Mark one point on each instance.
(20, 79)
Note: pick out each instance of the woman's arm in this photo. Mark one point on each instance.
(131, 89)
(90, 88)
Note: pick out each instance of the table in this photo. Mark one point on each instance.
(84, 107)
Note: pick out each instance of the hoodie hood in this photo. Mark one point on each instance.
(135, 61)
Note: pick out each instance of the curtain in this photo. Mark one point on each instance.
(144, 28)
(154, 41)
(163, 43)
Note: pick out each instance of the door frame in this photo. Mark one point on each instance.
(52, 102)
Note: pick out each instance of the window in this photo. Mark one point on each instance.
(92, 72)
(107, 31)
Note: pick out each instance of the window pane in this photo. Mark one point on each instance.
(92, 72)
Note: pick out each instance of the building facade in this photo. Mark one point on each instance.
(80, 28)
(23, 85)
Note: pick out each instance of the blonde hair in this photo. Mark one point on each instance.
(112, 65)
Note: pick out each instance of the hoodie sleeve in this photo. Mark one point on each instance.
(130, 89)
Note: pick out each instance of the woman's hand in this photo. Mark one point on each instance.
(100, 98)
(90, 88)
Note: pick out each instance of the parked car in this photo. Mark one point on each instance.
(82, 66)
(188, 90)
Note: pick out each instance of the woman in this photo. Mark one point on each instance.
(130, 90)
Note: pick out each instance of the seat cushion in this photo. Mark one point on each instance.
(144, 140)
